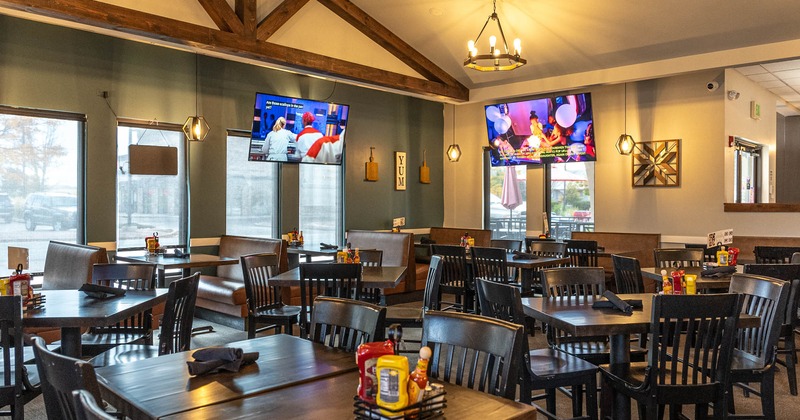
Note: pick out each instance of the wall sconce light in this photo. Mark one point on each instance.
(424, 170)
(625, 142)
(371, 168)
(733, 95)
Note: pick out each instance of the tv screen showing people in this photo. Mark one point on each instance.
(539, 131)
(294, 130)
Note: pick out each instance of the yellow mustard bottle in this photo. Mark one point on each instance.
(722, 257)
(392, 383)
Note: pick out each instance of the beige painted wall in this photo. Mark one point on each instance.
(678, 107)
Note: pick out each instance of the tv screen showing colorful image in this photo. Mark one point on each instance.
(539, 131)
(294, 130)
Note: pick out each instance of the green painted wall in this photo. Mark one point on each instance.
(48, 67)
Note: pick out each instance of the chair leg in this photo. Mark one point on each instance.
(551, 400)
(591, 397)
(731, 405)
(791, 361)
(768, 394)
(251, 328)
(577, 400)
(607, 396)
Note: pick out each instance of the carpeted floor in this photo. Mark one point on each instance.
(787, 405)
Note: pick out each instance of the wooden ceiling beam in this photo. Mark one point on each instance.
(277, 17)
(116, 18)
(388, 40)
(223, 16)
(246, 11)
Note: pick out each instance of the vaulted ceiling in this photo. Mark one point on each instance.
(418, 46)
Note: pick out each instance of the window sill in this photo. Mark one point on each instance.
(761, 208)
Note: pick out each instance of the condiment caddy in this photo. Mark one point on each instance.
(386, 388)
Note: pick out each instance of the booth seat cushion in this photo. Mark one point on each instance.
(398, 251)
(224, 293)
(68, 266)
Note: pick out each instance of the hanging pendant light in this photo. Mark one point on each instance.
(625, 142)
(454, 152)
(196, 128)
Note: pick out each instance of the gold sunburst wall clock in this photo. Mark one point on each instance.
(657, 164)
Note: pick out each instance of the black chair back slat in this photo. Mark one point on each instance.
(774, 254)
(60, 375)
(490, 264)
(678, 257)
(340, 280)
(86, 407)
(176, 325)
(345, 323)
(582, 253)
(627, 274)
(457, 278)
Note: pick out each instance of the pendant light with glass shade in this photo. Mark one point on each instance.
(196, 128)
(453, 151)
(625, 142)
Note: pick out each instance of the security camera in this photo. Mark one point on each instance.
(712, 85)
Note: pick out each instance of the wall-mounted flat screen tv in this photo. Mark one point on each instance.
(294, 130)
(540, 131)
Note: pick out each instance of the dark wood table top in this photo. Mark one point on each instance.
(371, 277)
(168, 262)
(161, 386)
(703, 283)
(577, 317)
(311, 250)
(538, 262)
(72, 308)
(333, 398)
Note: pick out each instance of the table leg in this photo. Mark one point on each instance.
(71, 341)
(621, 354)
(161, 277)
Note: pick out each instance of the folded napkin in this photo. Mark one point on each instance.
(426, 241)
(614, 301)
(101, 292)
(219, 358)
(718, 271)
(323, 245)
(523, 256)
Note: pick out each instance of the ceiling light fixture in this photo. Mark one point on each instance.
(495, 60)
(196, 128)
(625, 141)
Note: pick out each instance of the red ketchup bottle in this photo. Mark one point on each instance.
(677, 286)
(367, 358)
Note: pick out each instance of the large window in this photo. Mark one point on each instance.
(252, 190)
(150, 203)
(41, 167)
(505, 207)
(321, 210)
(571, 198)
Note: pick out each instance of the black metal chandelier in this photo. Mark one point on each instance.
(495, 59)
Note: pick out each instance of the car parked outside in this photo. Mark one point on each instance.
(51, 209)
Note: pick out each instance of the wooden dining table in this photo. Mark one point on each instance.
(73, 310)
(292, 378)
(575, 316)
(164, 262)
(371, 277)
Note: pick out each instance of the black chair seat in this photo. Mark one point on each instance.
(111, 340)
(122, 354)
(27, 354)
(598, 352)
(631, 376)
(548, 363)
(404, 315)
(279, 312)
(743, 362)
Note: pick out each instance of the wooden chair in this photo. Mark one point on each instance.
(345, 323)
(667, 378)
(532, 279)
(490, 264)
(19, 382)
(326, 279)
(509, 245)
(474, 351)
(264, 302)
(786, 343)
(709, 254)
(582, 283)
(582, 253)
(678, 257)
(176, 327)
(86, 407)
(371, 258)
(627, 274)
(137, 329)
(774, 254)
(546, 368)
(754, 353)
(457, 279)
(412, 317)
(60, 376)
